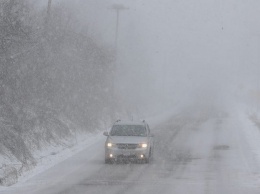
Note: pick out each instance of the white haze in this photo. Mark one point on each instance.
(175, 51)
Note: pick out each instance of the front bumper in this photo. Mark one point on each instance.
(129, 154)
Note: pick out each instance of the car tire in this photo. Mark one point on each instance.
(108, 161)
(147, 160)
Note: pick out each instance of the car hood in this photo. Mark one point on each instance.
(128, 139)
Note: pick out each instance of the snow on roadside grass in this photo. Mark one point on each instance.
(252, 133)
(53, 155)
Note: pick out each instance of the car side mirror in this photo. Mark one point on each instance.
(105, 133)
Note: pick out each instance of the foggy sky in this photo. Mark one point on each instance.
(170, 50)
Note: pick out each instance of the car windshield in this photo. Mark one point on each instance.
(128, 130)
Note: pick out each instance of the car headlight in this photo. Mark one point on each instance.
(143, 145)
(109, 145)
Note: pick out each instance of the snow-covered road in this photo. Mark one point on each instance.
(198, 155)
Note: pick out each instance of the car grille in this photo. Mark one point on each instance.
(127, 146)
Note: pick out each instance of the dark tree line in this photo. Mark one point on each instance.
(50, 71)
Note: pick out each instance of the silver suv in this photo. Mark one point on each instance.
(129, 141)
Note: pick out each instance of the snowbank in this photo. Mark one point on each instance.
(50, 156)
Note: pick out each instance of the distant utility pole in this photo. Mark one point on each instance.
(118, 8)
(47, 17)
(49, 8)
(48, 12)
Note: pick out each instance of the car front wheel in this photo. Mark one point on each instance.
(108, 161)
(147, 160)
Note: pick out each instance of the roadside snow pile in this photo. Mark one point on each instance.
(249, 122)
(29, 136)
(45, 159)
(254, 135)
(254, 119)
(52, 155)
(8, 175)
